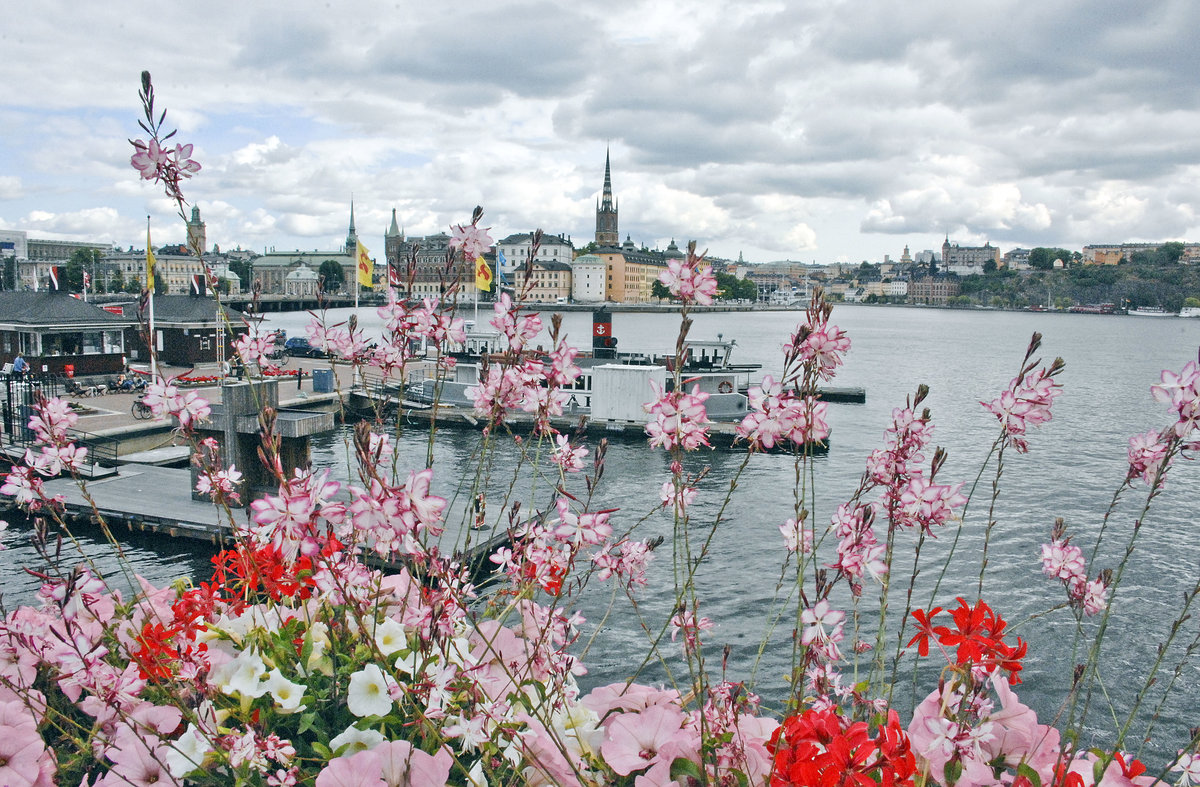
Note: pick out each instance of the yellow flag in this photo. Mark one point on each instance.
(483, 275)
(149, 262)
(365, 267)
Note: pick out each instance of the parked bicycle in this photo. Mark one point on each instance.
(141, 411)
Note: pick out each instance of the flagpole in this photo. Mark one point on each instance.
(150, 313)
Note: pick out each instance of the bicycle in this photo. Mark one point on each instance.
(141, 411)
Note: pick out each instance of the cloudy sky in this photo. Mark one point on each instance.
(816, 131)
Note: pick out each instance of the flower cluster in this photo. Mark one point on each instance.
(776, 416)
(820, 747)
(1064, 561)
(690, 279)
(677, 419)
(1026, 403)
(164, 398)
(1181, 392)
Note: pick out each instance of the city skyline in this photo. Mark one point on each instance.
(780, 131)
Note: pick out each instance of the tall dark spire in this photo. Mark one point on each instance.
(606, 211)
(351, 234)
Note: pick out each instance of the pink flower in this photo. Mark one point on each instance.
(149, 159)
(1026, 403)
(1062, 560)
(1146, 455)
(691, 280)
(568, 458)
(633, 740)
(471, 240)
(677, 419)
(627, 560)
(362, 769)
(21, 748)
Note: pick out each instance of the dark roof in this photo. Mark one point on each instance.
(184, 309)
(52, 309)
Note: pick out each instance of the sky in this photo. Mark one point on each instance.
(819, 131)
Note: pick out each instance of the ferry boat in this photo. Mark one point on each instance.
(1190, 311)
(1150, 311)
(613, 385)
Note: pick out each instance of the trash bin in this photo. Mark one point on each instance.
(322, 380)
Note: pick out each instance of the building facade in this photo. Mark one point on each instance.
(968, 260)
(588, 273)
(515, 249)
(936, 290)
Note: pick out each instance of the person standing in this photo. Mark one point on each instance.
(20, 366)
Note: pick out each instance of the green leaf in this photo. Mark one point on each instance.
(685, 767)
(952, 771)
(307, 722)
(1029, 773)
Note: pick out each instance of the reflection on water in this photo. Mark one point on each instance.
(1075, 464)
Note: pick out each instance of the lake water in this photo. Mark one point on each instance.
(1076, 463)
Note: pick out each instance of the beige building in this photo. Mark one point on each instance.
(630, 272)
(551, 282)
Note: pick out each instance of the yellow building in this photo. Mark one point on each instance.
(630, 273)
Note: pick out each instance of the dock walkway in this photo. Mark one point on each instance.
(146, 498)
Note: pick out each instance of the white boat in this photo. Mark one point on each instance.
(1190, 311)
(1150, 311)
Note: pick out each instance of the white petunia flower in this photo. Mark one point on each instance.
(390, 636)
(186, 754)
(357, 740)
(287, 695)
(368, 694)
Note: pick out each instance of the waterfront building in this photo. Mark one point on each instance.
(1016, 259)
(14, 243)
(935, 290)
(588, 273)
(515, 250)
(630, 272)
(272, 269)
(551, 281)
(427, 256)
(968, 260)
(173, 264)
(895, 288)
(186, 329)
(59, 334)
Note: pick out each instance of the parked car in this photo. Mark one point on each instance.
(299, 346)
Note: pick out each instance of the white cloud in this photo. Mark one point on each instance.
(768, 127)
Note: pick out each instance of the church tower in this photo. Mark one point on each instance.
(606, 211)
(351, 235)
(393, 241)
(197, 238)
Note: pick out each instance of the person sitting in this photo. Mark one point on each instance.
(20, 366)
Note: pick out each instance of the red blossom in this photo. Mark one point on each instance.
(977, 637)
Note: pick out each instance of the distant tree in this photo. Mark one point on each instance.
(331, 275)
(116, 282)
(160, 284)
(1171, 252)
(242, 269)
(659, 290)
(10, 273)
(1042, 258)
(1192, 302)
(989, 267)
(81, 260)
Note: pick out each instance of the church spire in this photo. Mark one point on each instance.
(351, 234)
(606, 211)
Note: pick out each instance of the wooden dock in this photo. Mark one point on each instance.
(146, 498)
